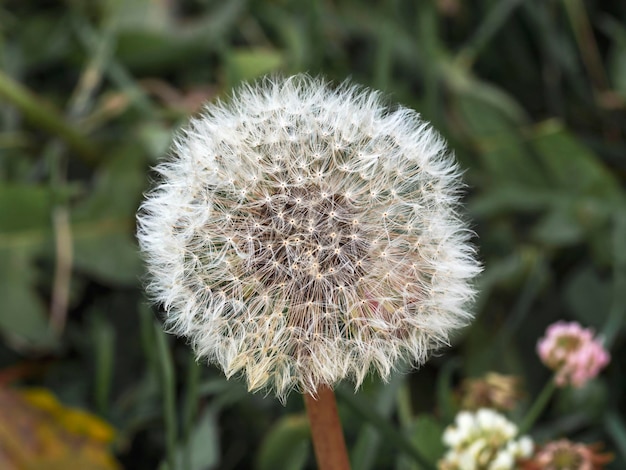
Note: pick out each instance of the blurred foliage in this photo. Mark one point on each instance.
(38, 432)
(531, 95)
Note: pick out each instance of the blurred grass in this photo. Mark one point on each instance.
(530, 94)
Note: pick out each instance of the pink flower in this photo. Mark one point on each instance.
(573, 353)
(564, 455)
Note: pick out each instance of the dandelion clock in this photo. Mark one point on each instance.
(301, 234)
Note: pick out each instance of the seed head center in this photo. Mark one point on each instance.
(304, 236)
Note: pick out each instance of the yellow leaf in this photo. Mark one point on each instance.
(37, 432)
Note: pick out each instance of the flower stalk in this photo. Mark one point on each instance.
(326, 432)
(538, 406)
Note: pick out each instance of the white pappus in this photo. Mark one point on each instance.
(301, 233)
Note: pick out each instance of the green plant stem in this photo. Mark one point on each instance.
(583, 32)
(63, 268)
(363, 453)
(427, 25)
(617, 310)
(104, 349)
(381, 424)
(538, 406)
(168, 381)
(616, 428)
(146, 331)
(191, 406)
(80, 102)
(493, 22)
(45, 117)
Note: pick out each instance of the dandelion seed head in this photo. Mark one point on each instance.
(301, 234)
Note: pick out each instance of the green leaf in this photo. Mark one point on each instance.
(24, 208)
(592, 399)
(616, 428)
(571, 165)
(110, 257)
(37, 53)
(24, 226)
(247, 64)
(617, 70)
(499, 145)
(152, 40)
(363, 455)
(103, 225)
(509, 272)
(119, 184)
(617, 54)
(293, 35)
(153, 51)
(510, 197)
(22, 314)
(588, 297)
(147, 37)
(497, 100)
(102, 339)
(558, 227)
(155, 138)
(142, 14)
(369, 415)
(286, 446)
(445, 389)
(203, 446)
(427, 438)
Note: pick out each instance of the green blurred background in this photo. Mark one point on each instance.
(529, 93)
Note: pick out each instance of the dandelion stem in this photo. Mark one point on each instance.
(328, 441)
(538, 406)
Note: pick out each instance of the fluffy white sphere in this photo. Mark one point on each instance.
(301, 234)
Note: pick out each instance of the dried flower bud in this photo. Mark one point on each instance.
(497, 391)
(301, 234)
(573, 352)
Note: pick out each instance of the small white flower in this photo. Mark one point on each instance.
(467, 461)
(301, 234)
(523, 447)
(503, 461)
(484, 440)
(476, 452)
(451, 437)
(487, 418)
(465, 422)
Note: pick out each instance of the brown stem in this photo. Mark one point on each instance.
(328, 441)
